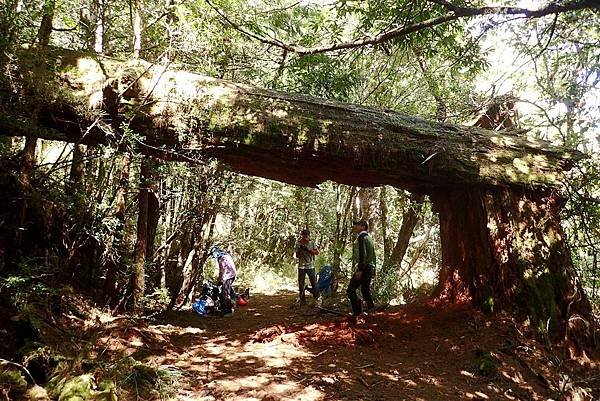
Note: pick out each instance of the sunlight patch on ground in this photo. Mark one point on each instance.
(262, 388)
(224, 370)
(478, 395)
(177, 330)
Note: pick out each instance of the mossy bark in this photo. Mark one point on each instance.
(261, 132)
(504, 248)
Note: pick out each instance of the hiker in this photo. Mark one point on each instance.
(227, 275)
(305, 252)
(365, 270)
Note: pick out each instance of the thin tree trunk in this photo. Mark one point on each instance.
(343, 209)
(114, 263)
(100, 23)
(142, 237)
(153, 209)
(75, 183)
(384, 224)
(368, 207)
(45, 29)
(191, 270)
(27, 164)
(136, 10)
(410, 218)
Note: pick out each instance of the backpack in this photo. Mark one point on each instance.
(325, 280)
(200, 306)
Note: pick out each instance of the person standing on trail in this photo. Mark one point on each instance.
(306, 252)
(227, 274)
(364, 248)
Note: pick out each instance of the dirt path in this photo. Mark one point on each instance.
(271, 350)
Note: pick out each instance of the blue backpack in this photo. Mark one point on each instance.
(200, 306)
(325, 280)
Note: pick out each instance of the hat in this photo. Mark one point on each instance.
(217, 252)
(361, 223)
(305, 232)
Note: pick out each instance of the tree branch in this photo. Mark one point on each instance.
(455, 13)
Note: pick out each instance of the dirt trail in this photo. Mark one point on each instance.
(272, 350)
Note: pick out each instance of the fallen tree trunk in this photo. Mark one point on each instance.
(499, 220)
(179, 115)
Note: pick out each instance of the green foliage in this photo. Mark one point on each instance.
(162, 379)
(12, 379)
(26, 287)
(12, 383)
(487, 364)
(83, 388)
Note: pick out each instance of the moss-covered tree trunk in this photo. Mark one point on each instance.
(501, 237)
(114, 263)
(503, 248)
(272, 134)
(141, 244)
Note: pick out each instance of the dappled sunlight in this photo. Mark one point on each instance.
(92, 79)
(415, 351)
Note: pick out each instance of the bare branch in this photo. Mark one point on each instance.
(455, 13)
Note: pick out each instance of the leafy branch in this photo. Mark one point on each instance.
(455, 12)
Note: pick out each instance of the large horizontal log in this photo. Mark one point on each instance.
(293, 138)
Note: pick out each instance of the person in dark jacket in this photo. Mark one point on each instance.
(365, 252)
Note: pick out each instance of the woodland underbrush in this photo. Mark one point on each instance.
(55, 345)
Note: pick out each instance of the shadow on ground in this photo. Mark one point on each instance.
(275, 350)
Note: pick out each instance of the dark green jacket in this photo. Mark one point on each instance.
(364, 250)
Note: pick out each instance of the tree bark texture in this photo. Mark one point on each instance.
(410, 218)
(266, 133)
(114, 263)
(75, 182)
(504, 247)
(26, 168)
(142, 237)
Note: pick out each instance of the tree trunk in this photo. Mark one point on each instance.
(153, 208)
(272, 134)
(141, 244)
(192, 268)
(27, 164)
(114, 262)
(368, 208)
(342, 230)
(45, 29)
(77, 172)
(99, 31)
(384, 225)
(410, 218)
(136, 24)
(502, 248)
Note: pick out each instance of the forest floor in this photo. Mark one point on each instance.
(272, 349)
